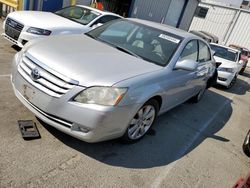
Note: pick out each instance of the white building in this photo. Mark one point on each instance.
(233, 3)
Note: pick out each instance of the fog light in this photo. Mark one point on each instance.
(77, 127)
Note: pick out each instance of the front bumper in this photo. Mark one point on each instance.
(98, 122)
(225, 78)
(23, 38)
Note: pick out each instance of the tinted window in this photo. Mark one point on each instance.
(225, 53)
(153, 45)
(78, 14)
(105, 19)
(190, 51)
(204, 52)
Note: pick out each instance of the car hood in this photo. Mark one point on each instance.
(225, 63)
(88, 61)
(44, 20)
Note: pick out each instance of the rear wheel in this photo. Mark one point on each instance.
(141, 122)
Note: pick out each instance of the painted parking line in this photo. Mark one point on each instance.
(5, 75)
(165, 171)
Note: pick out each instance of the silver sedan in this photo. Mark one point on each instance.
(113, 81)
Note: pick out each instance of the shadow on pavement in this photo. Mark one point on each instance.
(175, 134)
(241, 87)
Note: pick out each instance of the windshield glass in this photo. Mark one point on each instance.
(225, 53)
(78, 14)
(153, 45)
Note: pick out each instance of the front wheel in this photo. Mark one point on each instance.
(141, 122)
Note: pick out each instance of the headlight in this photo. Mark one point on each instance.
(38, 31)
(231, 70)
(107, 96)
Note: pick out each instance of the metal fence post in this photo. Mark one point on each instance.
(229, 33)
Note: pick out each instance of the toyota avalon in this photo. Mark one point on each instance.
(113, 81)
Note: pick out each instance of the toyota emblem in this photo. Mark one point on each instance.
(35, 75)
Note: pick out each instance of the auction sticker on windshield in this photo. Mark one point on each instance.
(172, 39)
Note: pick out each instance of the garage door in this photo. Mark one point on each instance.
(174, 12)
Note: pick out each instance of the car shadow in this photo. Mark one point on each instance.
(241, 87)
(174, 135)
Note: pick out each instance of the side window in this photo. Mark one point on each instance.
(204, 52)
(190, 51)
(105, 19)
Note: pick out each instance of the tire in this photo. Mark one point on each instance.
(232, 82)
(197, 98)
(246, 145)
(213, 80)
(140, 125)
(242, 70)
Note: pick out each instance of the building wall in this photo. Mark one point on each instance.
(160, 10)
(236, 3)
(217, 21)
(231, 25)
(188, 14)
(81, 2)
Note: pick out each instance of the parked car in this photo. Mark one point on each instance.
(203, 36)
(243, 56)
(230, 64)
(215, 39)
(114, 80)
(246, 144)
(23, 26)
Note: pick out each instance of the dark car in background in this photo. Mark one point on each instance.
(214, 37)
(202, 35)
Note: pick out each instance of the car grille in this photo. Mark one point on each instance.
(13, 28)
(48, 81)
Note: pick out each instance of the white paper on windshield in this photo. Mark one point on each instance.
(172, 39)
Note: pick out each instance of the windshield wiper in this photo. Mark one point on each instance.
(127, 51)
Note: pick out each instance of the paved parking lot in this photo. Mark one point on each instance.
(193, 145)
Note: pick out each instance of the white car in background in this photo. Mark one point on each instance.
(230, 64)
(23, 26)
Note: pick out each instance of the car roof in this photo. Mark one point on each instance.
(170, 29)
(233, 49)
(200, 34)
(99, 11)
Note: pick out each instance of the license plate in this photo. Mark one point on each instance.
(28, 92)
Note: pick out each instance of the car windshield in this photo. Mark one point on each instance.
(78, 14)
(225, 53)
(153, 45)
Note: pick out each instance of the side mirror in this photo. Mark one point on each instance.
(218, 64)
(186, 64)
(97, 25)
